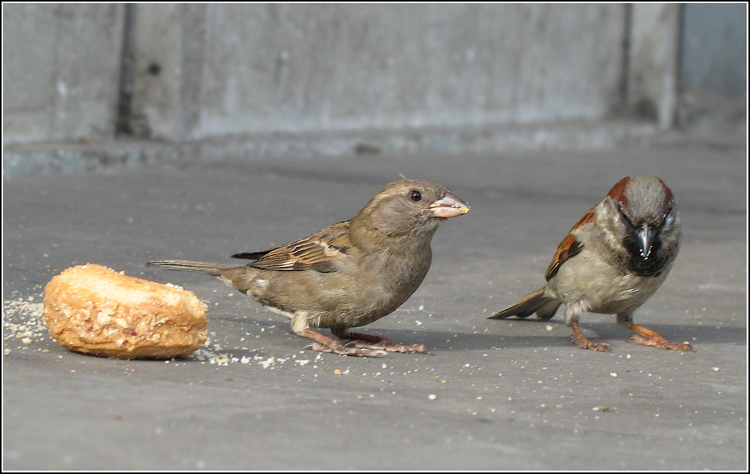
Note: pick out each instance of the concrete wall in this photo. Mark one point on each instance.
(714, 48)
(315, 67)
(191, 72)
(653, 50)
(61, 71)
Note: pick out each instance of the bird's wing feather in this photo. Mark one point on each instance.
(318, 252)
(569, 247)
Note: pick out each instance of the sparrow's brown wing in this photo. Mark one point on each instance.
(569, 247)
(251, 255)
(318, 252)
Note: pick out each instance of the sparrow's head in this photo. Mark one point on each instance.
(646, 221)
(410, 206)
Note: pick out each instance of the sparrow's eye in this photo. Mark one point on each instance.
(415, 195)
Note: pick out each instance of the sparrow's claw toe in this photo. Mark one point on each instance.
(389, 346)
(348, 350)
(585, 343)
(660, 343)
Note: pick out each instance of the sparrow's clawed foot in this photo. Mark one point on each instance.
(347, 350)
(647, 337)
(381, 343)
(583, 342)
(325, 343)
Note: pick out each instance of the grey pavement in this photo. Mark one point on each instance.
(490, 395)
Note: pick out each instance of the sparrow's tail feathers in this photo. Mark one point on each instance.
(212, 269)
(548, 310)
(535, 302)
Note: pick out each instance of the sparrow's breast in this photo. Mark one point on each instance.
(604, 288)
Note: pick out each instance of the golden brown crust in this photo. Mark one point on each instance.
(95, 310)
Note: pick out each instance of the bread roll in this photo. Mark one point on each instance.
(94, 310)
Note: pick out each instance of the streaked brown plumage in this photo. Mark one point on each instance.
(348, 274)
(612, 261)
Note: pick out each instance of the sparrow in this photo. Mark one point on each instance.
(612, 261)
(349, 274)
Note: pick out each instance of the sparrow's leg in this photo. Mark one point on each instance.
(376, 342)
(583, 342)
(325, 343)
(573, 313)
(647, 337)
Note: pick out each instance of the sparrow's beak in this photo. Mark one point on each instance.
(449, 206)
(645, 240)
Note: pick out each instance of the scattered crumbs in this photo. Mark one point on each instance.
(22, 322)
(222, 359)
(613, 374)
(337, 372)
(549, 327)
(716, 369)
(432, 396)
(268, 362)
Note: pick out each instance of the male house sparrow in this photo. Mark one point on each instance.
(349, 274)
(612, 261)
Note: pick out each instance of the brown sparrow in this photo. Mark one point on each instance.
(348, 274)
(612, 261)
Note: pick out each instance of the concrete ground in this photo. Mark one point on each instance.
(490, 395)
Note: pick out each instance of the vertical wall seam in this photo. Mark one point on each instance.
(626, 50)
(679, 86)
(124, 116)
(668, 99)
